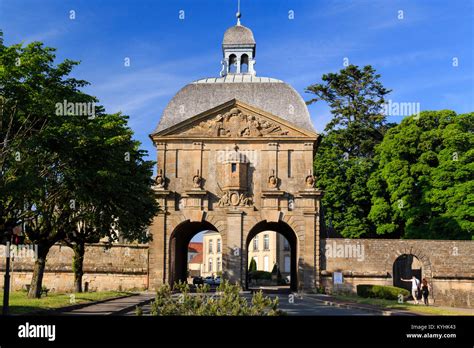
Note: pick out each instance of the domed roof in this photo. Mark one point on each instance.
(271, 95)
(238, 35)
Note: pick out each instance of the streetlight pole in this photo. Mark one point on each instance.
(6, 284)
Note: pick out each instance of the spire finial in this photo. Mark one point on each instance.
(238, 14)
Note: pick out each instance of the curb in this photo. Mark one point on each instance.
(383, 312)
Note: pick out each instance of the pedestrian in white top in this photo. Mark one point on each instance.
(415, 285)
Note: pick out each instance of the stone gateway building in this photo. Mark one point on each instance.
(235, 156)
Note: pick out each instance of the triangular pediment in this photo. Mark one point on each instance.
(235, 119)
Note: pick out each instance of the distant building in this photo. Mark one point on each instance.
(266, 248)
(269, 248)
(195, 259)
(212, 254)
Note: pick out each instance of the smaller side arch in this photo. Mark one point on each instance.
(232, 63)
(244, 63)
(419, 254)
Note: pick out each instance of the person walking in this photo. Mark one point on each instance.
(425, 290)
(415, 284)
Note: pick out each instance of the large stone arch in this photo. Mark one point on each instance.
(296, 223)
(291, 236)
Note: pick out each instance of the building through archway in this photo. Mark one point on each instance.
(280, 228)
(179, 245)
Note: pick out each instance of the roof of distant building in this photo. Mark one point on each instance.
(195, 247)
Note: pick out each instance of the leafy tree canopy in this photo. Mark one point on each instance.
(345, 154)
(423, 187)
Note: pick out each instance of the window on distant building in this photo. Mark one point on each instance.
(219, 265)
(219, 245)
(287, 264)
(210, 246)
(255, 243)
(266, 242)
(286, 245)
(210, 265)
(265, 264)
(234, 167)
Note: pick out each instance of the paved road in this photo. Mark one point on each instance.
(309, 306)
(304, 305)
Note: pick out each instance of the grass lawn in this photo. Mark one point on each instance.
(388, 304)
(21, 304)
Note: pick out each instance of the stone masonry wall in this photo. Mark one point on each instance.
(448, 265)
(122, 267)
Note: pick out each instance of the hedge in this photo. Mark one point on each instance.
(381, 291)
(260, 275)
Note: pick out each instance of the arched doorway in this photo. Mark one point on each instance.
(281, 228)
(406, 266)
(179, 243)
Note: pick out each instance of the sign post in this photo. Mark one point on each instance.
(337, 279)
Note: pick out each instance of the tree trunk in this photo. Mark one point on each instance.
(77, 265)
(38, 271)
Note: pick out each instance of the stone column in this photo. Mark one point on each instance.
(317, 236)
(310, 264)
(161, 156)
(157, 267)
(251, 67)
(225, 67)
(233, 253)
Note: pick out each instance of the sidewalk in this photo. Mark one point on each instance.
(331, 301)
(463, 311)
(113, 307)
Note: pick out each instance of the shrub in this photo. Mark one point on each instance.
(226, 301)
(252, 266)
(260, 275)
(381, 291)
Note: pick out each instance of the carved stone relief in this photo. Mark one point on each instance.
(234, 198)
(160, 180)
(236, 123)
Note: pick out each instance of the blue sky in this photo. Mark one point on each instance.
(414, 55)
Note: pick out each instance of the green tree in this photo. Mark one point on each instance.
(423, 187)
(344, 158)
(111, 185)
(32, 183)
(68, 177)
(252, 266)
(27, 82)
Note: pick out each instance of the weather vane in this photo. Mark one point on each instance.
(238, 14)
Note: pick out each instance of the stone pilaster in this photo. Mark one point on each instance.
(233, 253)
(157, 267)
